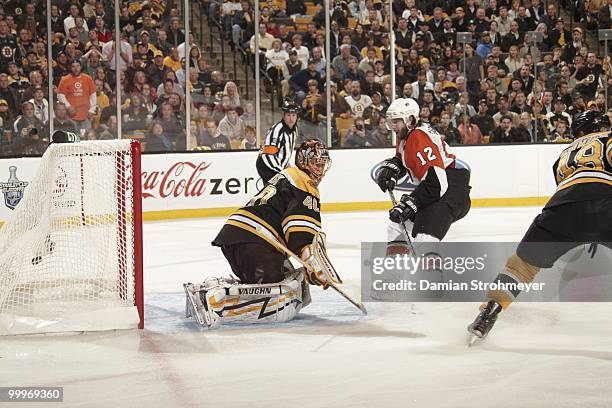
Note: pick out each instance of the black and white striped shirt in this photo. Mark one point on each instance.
(279, 144)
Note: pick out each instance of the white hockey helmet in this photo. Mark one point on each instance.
(404, 108)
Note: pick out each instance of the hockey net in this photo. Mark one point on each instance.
(71, 255)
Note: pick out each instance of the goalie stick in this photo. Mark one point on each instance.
(333, 285)
(272, 240)
(403, 223)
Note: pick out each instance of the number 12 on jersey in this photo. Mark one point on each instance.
(427, 152)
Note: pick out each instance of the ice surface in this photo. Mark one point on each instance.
(400, 355)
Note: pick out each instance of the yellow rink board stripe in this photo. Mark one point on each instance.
(338, 207)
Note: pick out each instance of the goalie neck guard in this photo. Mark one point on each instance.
(312, 157)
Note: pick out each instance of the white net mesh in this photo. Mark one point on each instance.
(67, 255)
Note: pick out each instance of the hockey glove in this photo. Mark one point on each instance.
(406, 209)
(391, 170)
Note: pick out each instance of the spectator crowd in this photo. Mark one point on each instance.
(503, 86)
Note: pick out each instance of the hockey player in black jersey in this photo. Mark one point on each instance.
(275, 154)
(580, 211)
(283, 214)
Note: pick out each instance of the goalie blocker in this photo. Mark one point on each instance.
(285, 214)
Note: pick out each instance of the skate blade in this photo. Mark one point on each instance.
(474, 338)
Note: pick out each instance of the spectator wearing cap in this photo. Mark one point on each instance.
(157, 70)
(125, 53)
(559, 36)
(460, 24)
(448, 34)
(570, 49)
(558, 114)
(78, 92)
(484, 47)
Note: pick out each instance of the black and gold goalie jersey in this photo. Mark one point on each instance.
(583, 171)
(286, 211)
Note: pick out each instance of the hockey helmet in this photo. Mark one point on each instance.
(312, 157)
(290, 107)
(406, 109)
(589, 122)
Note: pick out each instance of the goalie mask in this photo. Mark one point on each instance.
(312, 157)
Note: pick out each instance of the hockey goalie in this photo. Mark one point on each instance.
(283, 218)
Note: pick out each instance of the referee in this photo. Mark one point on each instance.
(275, 154)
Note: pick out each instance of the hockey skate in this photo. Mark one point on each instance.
(484, 322)
(197, 306)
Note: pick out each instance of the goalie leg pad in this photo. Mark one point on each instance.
(224, 301)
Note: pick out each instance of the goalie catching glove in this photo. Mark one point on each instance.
(390, 171)
(321, 272)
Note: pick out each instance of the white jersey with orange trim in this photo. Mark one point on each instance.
(423, 152)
